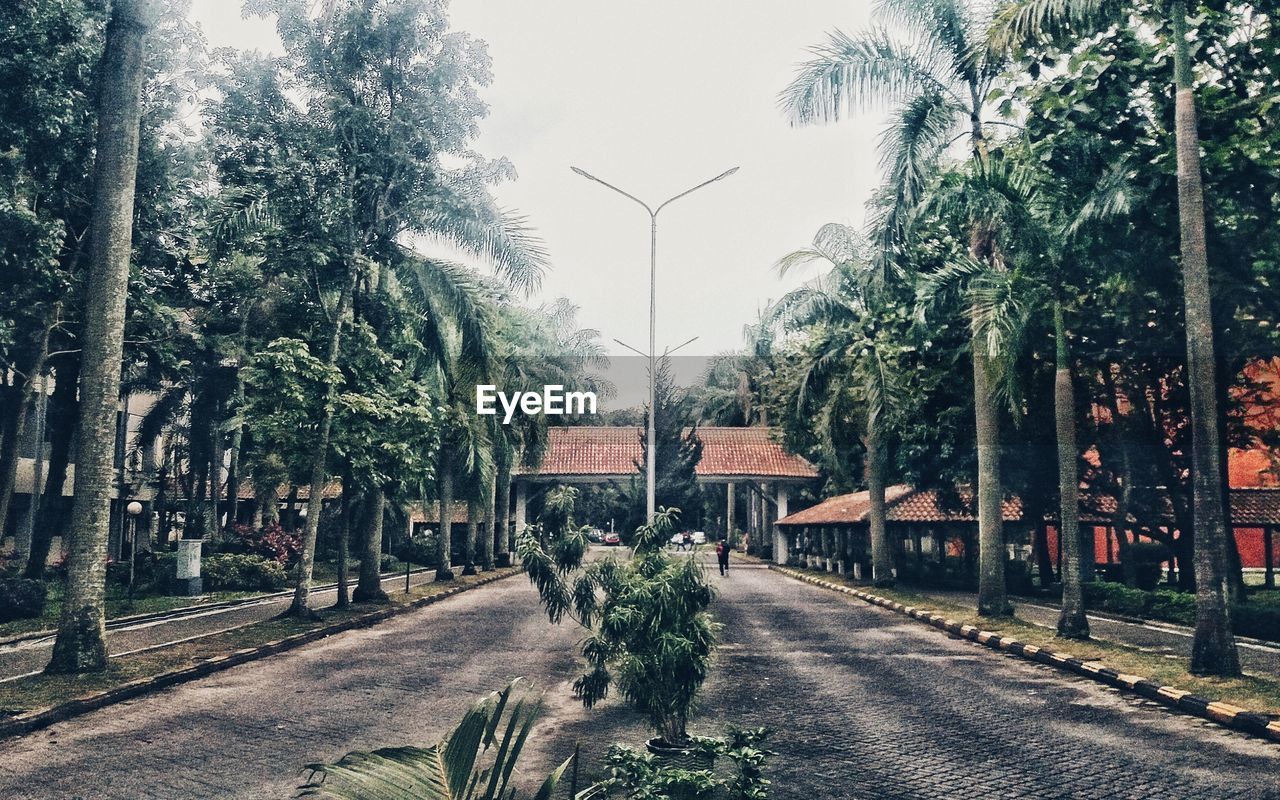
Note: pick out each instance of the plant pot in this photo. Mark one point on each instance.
(684, 757)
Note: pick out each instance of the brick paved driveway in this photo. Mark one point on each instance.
(866, 705)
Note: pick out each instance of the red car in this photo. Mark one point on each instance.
(612, 540)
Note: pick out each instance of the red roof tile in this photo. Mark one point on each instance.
(1256, 506)
(844, 509)
(726, 452)
(927, 505)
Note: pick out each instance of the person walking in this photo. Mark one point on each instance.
(722, 555)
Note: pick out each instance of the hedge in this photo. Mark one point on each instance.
(229, 571)
(1258, 617)
(21, 599)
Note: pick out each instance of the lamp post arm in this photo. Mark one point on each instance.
(722, 175)
(627, 195)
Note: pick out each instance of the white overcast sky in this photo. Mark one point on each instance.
(655, 97)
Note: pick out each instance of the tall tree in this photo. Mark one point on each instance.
(1213, 647)
(941, 76)
(81, 641)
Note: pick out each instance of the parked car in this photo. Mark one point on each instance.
(595, 535)
(612, 540)
(699, 537)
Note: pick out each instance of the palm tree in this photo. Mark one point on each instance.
(939, 76)
(1213, 650)
(840, 309)
(475, 760)
(81, 642)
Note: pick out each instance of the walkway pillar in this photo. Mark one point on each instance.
(728, 512)
(842, 548)
(1269, 557)
(522, 505)
(780, 538)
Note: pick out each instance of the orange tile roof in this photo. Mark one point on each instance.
(726, 452)
(927, 505)
(430, 513)
(842, 509)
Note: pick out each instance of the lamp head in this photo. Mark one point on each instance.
(134, 508)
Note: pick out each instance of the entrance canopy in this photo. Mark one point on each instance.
(598, 454)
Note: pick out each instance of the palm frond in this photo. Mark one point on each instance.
(504, 240)
(1023, 21)
(846, 74)
(475, 760)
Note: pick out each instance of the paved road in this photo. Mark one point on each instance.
(1157, 637)
(865, 705)
(31, 655)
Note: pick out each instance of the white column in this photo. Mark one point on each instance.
(522, 501)
(781, 541)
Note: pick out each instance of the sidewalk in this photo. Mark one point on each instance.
(1165, 638)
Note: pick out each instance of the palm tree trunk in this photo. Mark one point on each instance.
(992, 597)
(502, 517)
(490, 518)
(1213, 650)
(319, 456)
(369, 588)
(444, 538)
(881, 553)
(473, 524)
(81, 642)
(1072, 622)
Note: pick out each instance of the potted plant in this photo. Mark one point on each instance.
(649, 632)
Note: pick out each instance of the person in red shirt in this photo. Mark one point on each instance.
(722, 555)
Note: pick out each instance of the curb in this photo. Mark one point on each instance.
(1225, 714)
(42, 718)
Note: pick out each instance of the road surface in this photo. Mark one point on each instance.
(865, 704)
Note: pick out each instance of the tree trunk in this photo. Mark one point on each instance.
(233, 466)
(64, 409)
(1072, 623)
(24, 392)
(319, 457)
(473, 524)
(1269, 557)
(444, 537)
(1213, 650)
(26, 530)
(369, 589)
(490, 518)
(344, 537)
(502, 507)
(81, 643)
(881, 552)
(992, 597)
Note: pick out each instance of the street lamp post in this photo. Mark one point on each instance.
(133, 510)
(651, 460)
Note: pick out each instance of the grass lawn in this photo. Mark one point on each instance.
(41, 691)
(118, 605)
(1255, 694)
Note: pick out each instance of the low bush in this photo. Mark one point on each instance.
(1258, 617)
(1172, 606)
(231, 572)
(21, 599)
(417, 552)
(1116, 598)
(270, 541)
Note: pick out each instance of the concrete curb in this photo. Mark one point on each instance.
(42, 718)
(1225, 714)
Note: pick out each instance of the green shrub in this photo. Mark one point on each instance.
(1171, 606)
(1116, 598)
(1260, 620)
(21, 599)
(418, 552)
(232, 572)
